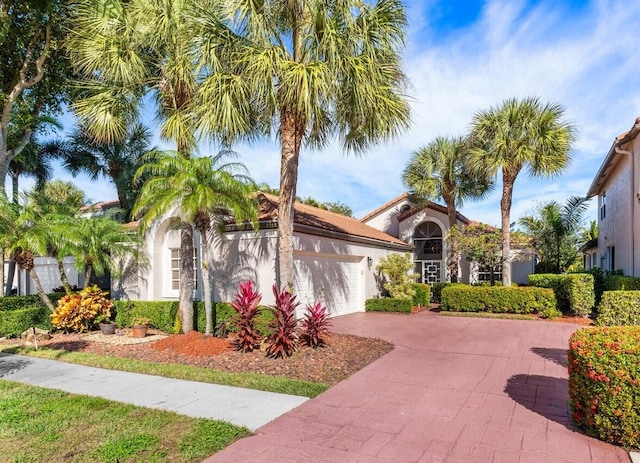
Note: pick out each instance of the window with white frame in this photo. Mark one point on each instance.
(603, 205)
(175, 269)
(484, 273)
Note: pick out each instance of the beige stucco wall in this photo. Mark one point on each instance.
(387, 220)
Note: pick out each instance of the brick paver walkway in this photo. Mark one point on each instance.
(454, 390)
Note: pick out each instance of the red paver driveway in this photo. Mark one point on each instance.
(453, 390)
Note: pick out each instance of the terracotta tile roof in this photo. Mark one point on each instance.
(433, 206)
(385, 206)
(101, 206)
(612, 158)
(309, 217)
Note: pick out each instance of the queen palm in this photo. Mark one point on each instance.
(133, 51)
(309, 70)
(519, 134)
(439, 170)
(203, 191)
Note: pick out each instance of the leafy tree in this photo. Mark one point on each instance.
(397, 268)
(337, 206)
(589, 233)
(555, 230)
(309, 70)
(482, 244)
(203, 191)
(516, 135)
(439, 170)
(34, 72)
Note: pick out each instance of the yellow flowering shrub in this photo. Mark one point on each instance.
(78, 312)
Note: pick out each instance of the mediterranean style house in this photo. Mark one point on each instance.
(617, 187)
(335, 257)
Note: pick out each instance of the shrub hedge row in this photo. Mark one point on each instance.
(499, 299)
(619, 308)
(436, 291)
(574, 292)
(422, 295)
(26, 302)
(621, 283)
(14, 322)
(388, 304)
(604, 383)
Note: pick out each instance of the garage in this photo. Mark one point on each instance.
(334, 279)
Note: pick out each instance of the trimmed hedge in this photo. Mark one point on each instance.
(14, 322)
(499, 299)
(604, 383)
(422, 295)
(574, 292)
(436, 291)
(26, 302)
(388, 304)
(619, 308)
(621, 283)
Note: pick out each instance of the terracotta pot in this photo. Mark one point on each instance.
(139, 331)
(108, 328)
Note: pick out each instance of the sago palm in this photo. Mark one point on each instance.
(519, 134)
(439, 170)
(308, 71)
(203, 191)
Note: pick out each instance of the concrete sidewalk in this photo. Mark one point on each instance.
(243, 407)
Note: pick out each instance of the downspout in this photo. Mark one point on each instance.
(633, 207)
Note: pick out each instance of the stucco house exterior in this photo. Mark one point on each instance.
(617, 187)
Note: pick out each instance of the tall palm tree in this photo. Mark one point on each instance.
(134, 51)
(203, 191)
(439, 170)
(555, 231)
(309, 70)
(118, 160)
(519, 134)
(8, 216)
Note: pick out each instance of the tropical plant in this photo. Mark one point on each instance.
(283, 339)
(555, 230)
(79, 312)
(308, 69)
(482, 244)
(247, 305)
(397, 269)
(8, 215)
(439, 170)
(519, 134)
(315, 325)
(203, 191)
(118, 160)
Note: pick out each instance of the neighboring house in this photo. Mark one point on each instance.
(589, 252)
(617, 187)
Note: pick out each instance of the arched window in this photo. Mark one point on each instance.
(427, 239)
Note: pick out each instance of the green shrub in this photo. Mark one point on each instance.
(436, 291)
(499, 299)
(604, 383)
(619, 308)
(621, 283)
(574, 292)
(396, 268)
(26, 302)
(599, 282)
(15, 322)
(422, 294)
(388, 304)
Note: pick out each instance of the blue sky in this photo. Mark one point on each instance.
(464, 56)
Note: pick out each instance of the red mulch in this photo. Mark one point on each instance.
(193, 343)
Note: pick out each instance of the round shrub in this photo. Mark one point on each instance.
(604, 383)
(619, 308)
(78, 312)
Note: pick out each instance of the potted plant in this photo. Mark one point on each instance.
(107, 326)
(139, 326)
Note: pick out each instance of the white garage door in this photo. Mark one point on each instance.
(334, 280)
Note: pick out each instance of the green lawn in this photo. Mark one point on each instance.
(206, 375)
(47, 425)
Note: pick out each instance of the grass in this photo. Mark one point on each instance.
(507, 316)
(178, 371)
(38, 424)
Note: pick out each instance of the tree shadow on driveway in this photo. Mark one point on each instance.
(545, 395)
(10, 364)
(555, 355)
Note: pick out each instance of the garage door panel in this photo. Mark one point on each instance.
(335, 281)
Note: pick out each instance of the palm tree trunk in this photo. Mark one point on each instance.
(185, 305)
(508, 178)
(63, 277)
(87, 276)
(291, 131)
(40, 290)
(3, 293)
(452, 255)
(206, 284)
(11, 273)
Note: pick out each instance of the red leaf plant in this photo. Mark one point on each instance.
(246, 303)
(315, 325)
(284, 338)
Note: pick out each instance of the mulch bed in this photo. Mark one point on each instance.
(340, 358)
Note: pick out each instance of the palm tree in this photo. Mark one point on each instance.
(132, 51)
(309, 70)
(555, 232)
(519, 134)
(8, 216)
(439, 170)
(118, 160)
(203, 191)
